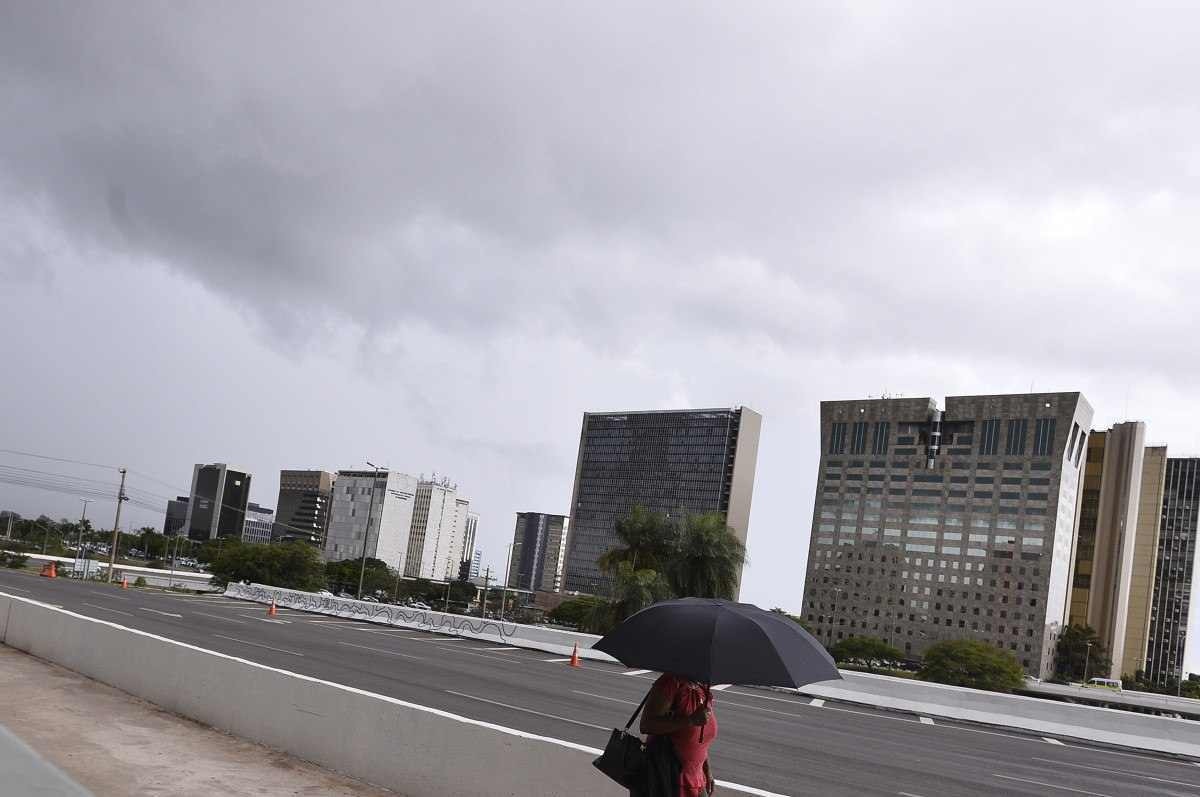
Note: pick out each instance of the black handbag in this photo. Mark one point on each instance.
(624, 757)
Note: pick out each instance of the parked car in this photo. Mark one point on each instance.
(326, 593)
(419, 605)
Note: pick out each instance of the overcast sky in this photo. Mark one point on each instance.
(433, 235)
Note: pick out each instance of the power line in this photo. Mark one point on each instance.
(58, 459)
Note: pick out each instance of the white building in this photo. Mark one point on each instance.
(258, 525)
(389, 497)
(439, 528)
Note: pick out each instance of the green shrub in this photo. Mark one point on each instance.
(139, 582)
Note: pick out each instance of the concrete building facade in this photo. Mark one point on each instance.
(1110, 500)
(439, 524)
(1174, 569)
(469, 532)
(538, 552)
(302, 509)
(1145, 560)
(375, 508)
(935, 524)
(259, 524)
(217, 503)
(673, 461)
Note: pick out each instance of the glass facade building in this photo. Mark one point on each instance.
(538, 552)
(674, 462)
(302, 510)
(1176, 563)
(217, 504)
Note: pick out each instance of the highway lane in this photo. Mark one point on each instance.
(769, 741)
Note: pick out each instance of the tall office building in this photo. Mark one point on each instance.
(937, 524)
(176, 516)
(476, 563)
(538, 550)
(469, 533)
(1110, 500)
(260, 522)
(674, 461)
(375, 508)
(1145, 560)
(439, 523)
(302, 511)
(217, 504)
(1176, 563)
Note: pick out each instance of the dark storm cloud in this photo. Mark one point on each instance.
(832, 179)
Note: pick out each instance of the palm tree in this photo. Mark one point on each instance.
(647, 542)
(708, 558)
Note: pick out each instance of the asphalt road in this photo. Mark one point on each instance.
(768, 741)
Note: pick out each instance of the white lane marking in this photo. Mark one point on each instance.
(559, 661)
(721, 687)
(20, 589)
(927, 721)
(494, 649)
(816, 701)
(256, 645)
(381, 650)
(106, 609)
(335, 622)
(395, 701)
(1051, 741)
(436, 639)
(636, 672)
(1147, 756)
(1050, 785)
(604, 697)
(156, 611)
(107, 595)
(264, 619)
(1117, 772)
(527, 710)
(221, 617)
(505, 659)
(907, 794)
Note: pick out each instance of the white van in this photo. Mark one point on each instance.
(1106, 683)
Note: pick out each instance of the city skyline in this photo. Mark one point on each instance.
(188, 282)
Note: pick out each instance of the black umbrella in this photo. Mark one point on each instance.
(720, 642)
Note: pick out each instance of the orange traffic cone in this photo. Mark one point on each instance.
(53, 570)
(272, 611)
(124, 582)
(575, 656)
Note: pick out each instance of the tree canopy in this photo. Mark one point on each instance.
(969, 662)
(1074, 660)
(865, 650)
(288, 565)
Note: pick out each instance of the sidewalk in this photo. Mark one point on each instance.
(114, 745)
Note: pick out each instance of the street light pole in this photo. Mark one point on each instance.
(79, 539)
(507, 573)
(1087, 657)
(112, 554)
(362, 569)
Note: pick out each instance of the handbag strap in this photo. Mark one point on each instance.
(638, 710)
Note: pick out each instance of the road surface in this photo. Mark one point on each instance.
(768, 741)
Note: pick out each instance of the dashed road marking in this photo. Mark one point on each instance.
(264, 619)
(1051, 741)
(927, 721)
(494, 649)
(1125, 772)
(108, 595)
(221, 617)
(381, 650)
(555, 661)
(256, 645)
(164, 614)
(106, 609)
(636, 672)
(721, 687)
(816, 701)
(527, 710)
(1051, 785)
(436, 639)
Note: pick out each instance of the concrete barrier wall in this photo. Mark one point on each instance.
(153, 575)
(417, 751)
(550, 640)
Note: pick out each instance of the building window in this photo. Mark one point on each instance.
(858, 438)
(1014, 444)
(989, 437)
(880, 439)
(1043, 437)
(837, 438)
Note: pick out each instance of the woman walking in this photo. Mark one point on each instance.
(681, 710)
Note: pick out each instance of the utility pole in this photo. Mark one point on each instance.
(8, 532)
(112, 553)
(1087, 657)
(507, 573)
(487, 576)
(80, 559)
(362, 568)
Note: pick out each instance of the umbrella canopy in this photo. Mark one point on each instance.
(720, 642)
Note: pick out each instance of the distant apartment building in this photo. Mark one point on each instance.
(439, 526)
(1175, 567)
(934, 524)
(476, 563)
(675, 462)
(469, 532)
(217, 504)
(176, 517)
(1110, 502)
(302, 510)
(260, 522)
(538, 552)
(371, 509)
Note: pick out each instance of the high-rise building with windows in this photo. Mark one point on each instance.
(1175, 566)
(935, 524)
(260, 522)
(538, 550)
(302, 511)
(176, 516)
(1145, 560)
(439, 528)
(672, 461)
(371, 508)
(469, 532)
(1110, 500)
(217, 504)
